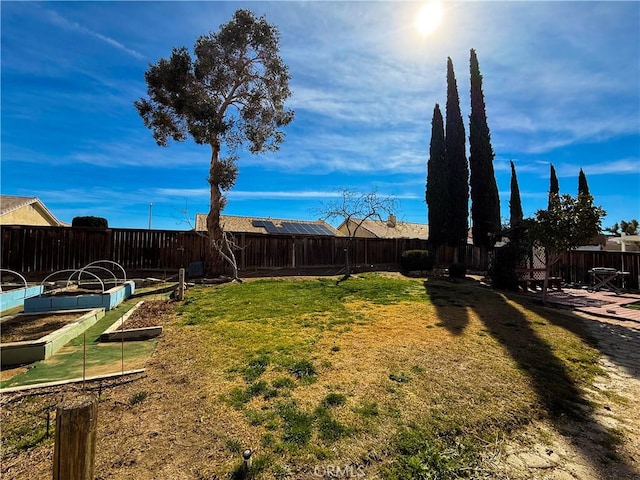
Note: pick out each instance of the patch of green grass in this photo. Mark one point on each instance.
(255, 368)
(268, 417)
(634, 305)
(138, 397)
(329, 429)
(233, 445)
(334, 400)
(238, 397)
(283, 382)
(267, 440)
(302, 369)
(425, 456)
(367, 409)
(24, 438)
(297, 425)
(295, 299)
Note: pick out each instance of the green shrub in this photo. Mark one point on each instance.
(416, 260)
(457, 270)
(93, 222)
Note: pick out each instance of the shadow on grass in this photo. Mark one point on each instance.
(613, 339)
(443, 296)
(554, 387)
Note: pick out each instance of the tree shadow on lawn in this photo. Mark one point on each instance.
(559, 395)
(611, 339)
(443, 297)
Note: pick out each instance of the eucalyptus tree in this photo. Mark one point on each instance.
(230, 93)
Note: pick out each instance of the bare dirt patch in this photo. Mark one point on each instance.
(151, 313)
(32, 327)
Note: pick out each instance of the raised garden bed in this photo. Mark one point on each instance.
(79, 298)
(14, 296)
(140, 323)
(19, 328)
(27, 338)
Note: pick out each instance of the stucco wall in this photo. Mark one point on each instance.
(361, 233)
(27, 215)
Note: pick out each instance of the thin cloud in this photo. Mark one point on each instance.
(615, 167)
(59, 20)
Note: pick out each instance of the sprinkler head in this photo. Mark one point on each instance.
(246, 458)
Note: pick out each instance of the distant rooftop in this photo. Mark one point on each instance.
(265, 226)
(391, 228)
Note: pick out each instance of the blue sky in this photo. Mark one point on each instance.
(561, 83)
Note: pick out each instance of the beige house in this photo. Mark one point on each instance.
(624, 243)
(26, 211)
(266, 226)
(392, 228)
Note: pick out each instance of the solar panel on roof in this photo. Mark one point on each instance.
(269, 226)
(293, 228)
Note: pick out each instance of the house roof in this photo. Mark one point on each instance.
(11, 203)
(237, 224)
(394, 229)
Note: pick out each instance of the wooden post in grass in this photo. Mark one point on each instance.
(75, 447)
(181, 284)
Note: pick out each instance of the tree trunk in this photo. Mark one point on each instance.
(214, 230)
(545, 282)
(347, 263)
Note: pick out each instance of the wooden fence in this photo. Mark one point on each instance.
(574, 266)
(37, 251)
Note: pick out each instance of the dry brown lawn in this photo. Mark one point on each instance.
(451, 358)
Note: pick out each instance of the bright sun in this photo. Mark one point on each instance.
(429, 17)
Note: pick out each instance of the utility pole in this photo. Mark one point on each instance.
(150, 208)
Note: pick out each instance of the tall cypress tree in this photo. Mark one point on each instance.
(554, 188)
(456, 159)
(515, 205)
(583, 187)
(485, 202)
(437, 194)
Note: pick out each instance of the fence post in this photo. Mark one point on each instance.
(181, 284)
(75, 447)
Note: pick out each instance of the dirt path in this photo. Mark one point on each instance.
(581, 450)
